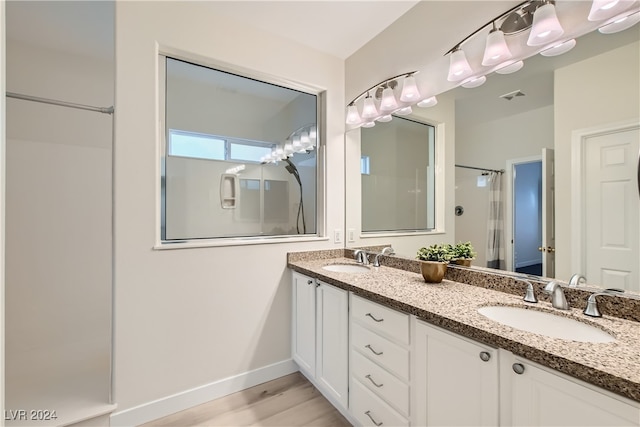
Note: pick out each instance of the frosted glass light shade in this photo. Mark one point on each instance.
(404, 111)
(369, 109)
(510, 68)
(496, 49)
(369, 124)
(605, 9)
(546, 26)
(385, 118)
(621, 24)
(459, 67)
(475, 82)
(559, 49)
(410, 91)
(388, 102)
(428, 102)
(353, 117)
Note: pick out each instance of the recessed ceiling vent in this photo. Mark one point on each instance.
(509, 96)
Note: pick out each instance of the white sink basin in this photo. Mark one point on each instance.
(544, 323)
(347, 268)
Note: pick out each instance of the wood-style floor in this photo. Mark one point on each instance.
(288, 401)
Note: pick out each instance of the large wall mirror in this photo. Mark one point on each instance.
(575, 117)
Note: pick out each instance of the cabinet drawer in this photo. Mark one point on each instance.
(370, 410)
(387, 354)
(381, 382)
(385, 320)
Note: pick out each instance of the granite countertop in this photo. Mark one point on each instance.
(614, 366)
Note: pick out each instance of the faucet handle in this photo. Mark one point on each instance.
(530, 295)
(592, 304)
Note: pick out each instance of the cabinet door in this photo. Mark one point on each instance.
(332, 332)
(456, 380)
(304, 323)
(537, 396)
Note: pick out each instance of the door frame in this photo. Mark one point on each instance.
(509, 204)
(578, 151)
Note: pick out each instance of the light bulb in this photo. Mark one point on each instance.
(388, 102)
(353, 116)
(496, 50)
(546, 26)
(459, 67)
(410, 91)
(428, 102)
(369, 109)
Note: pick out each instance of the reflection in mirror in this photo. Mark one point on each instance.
(398, 179)
(575, 112)
(240, 158)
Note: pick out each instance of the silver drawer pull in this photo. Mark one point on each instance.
(368, 414)
(373, 351)
(371, 315)
(373, 382)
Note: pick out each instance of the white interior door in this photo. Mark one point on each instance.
(611, 217)
(548, 218)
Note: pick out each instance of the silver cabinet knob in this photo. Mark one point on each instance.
(518, 368)
(309, 282)
(485, 356)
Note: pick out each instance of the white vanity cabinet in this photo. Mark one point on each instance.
(533, 395)
(455, 379)
(380, 369)
(320, 336)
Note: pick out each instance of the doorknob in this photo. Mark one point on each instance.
(541, 249)
(550, 249)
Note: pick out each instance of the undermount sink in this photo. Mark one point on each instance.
(347, 268)
(545, 323)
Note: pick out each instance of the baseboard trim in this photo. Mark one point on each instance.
(196, 396)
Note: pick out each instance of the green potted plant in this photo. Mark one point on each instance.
(434, 260)
(463, 253)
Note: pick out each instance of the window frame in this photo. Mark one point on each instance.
(164, 52)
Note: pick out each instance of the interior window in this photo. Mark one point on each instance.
(240, 158)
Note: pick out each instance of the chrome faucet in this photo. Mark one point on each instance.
(592, 304)
(577, 280)
(558, 300)
(361, 256)
(530, 295)
(386, 251)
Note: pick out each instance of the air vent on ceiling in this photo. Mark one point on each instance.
(509, 96)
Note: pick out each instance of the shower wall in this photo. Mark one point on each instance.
(58, 240)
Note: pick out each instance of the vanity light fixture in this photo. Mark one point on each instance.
(545, 27)
(605, 9)
(496, 49)
(459, 67)
(379, 102)
(621, 24)
(302, 140)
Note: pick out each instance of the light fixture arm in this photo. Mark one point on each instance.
(520, 6)
(383, 83)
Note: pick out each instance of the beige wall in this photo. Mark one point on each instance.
(189, 317)
(599, 91)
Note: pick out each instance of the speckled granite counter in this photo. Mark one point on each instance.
(451, 305)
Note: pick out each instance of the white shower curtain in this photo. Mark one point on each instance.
(495, 224)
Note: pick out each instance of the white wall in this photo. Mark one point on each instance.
(490, 145)
(2, 204)
(186, 318)
(58, 240)
(608, 85)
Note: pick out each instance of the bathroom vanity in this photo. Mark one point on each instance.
(386, 348)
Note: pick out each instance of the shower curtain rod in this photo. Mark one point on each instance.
(105, 110)
(480, 169)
